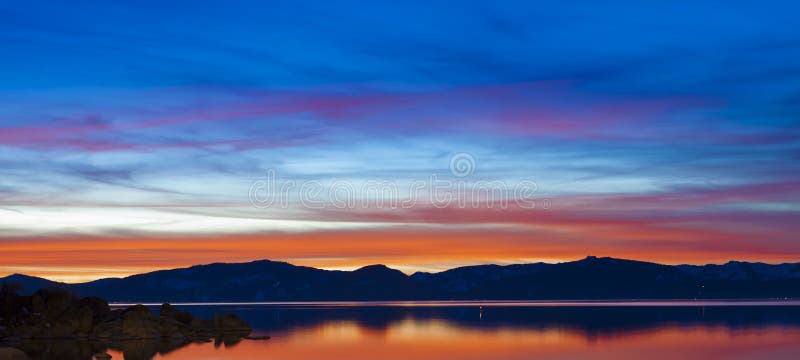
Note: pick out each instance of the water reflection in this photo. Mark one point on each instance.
(589, 320)
(84, 349)
(508, 332)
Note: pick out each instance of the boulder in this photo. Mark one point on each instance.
(138, 322)
(112, 315)
(7, 353)
(26, 331)
(199, 330)
(52, 303)
(77, 323)
(173, 329)
(184, 317)
(98, 306)
(198, 323)
(81, 321)
(230, 323)
(111, 329)
(169, 311)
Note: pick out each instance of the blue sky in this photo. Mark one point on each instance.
(129, 121)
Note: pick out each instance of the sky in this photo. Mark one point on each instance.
(142, 135)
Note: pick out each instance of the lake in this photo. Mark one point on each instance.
(502, 330)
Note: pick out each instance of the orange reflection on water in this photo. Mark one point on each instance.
(439, 339)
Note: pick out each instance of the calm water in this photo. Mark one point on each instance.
(687, 330)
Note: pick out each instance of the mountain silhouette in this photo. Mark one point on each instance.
(591, 278)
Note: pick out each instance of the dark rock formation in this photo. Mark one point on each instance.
(83, 327)
(12, 354)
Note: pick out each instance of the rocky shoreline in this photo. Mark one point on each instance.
(55, 316)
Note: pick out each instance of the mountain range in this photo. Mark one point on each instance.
(591, 278)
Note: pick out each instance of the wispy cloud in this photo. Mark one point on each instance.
(123, 127)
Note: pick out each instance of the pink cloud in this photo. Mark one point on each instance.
(543, 109)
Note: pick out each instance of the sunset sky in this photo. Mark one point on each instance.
(132, 134)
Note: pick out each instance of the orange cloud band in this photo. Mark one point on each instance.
(428, 249)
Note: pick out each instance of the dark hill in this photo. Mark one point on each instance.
(29, 284)
(590, 278)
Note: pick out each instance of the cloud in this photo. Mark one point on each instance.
(660, 142)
